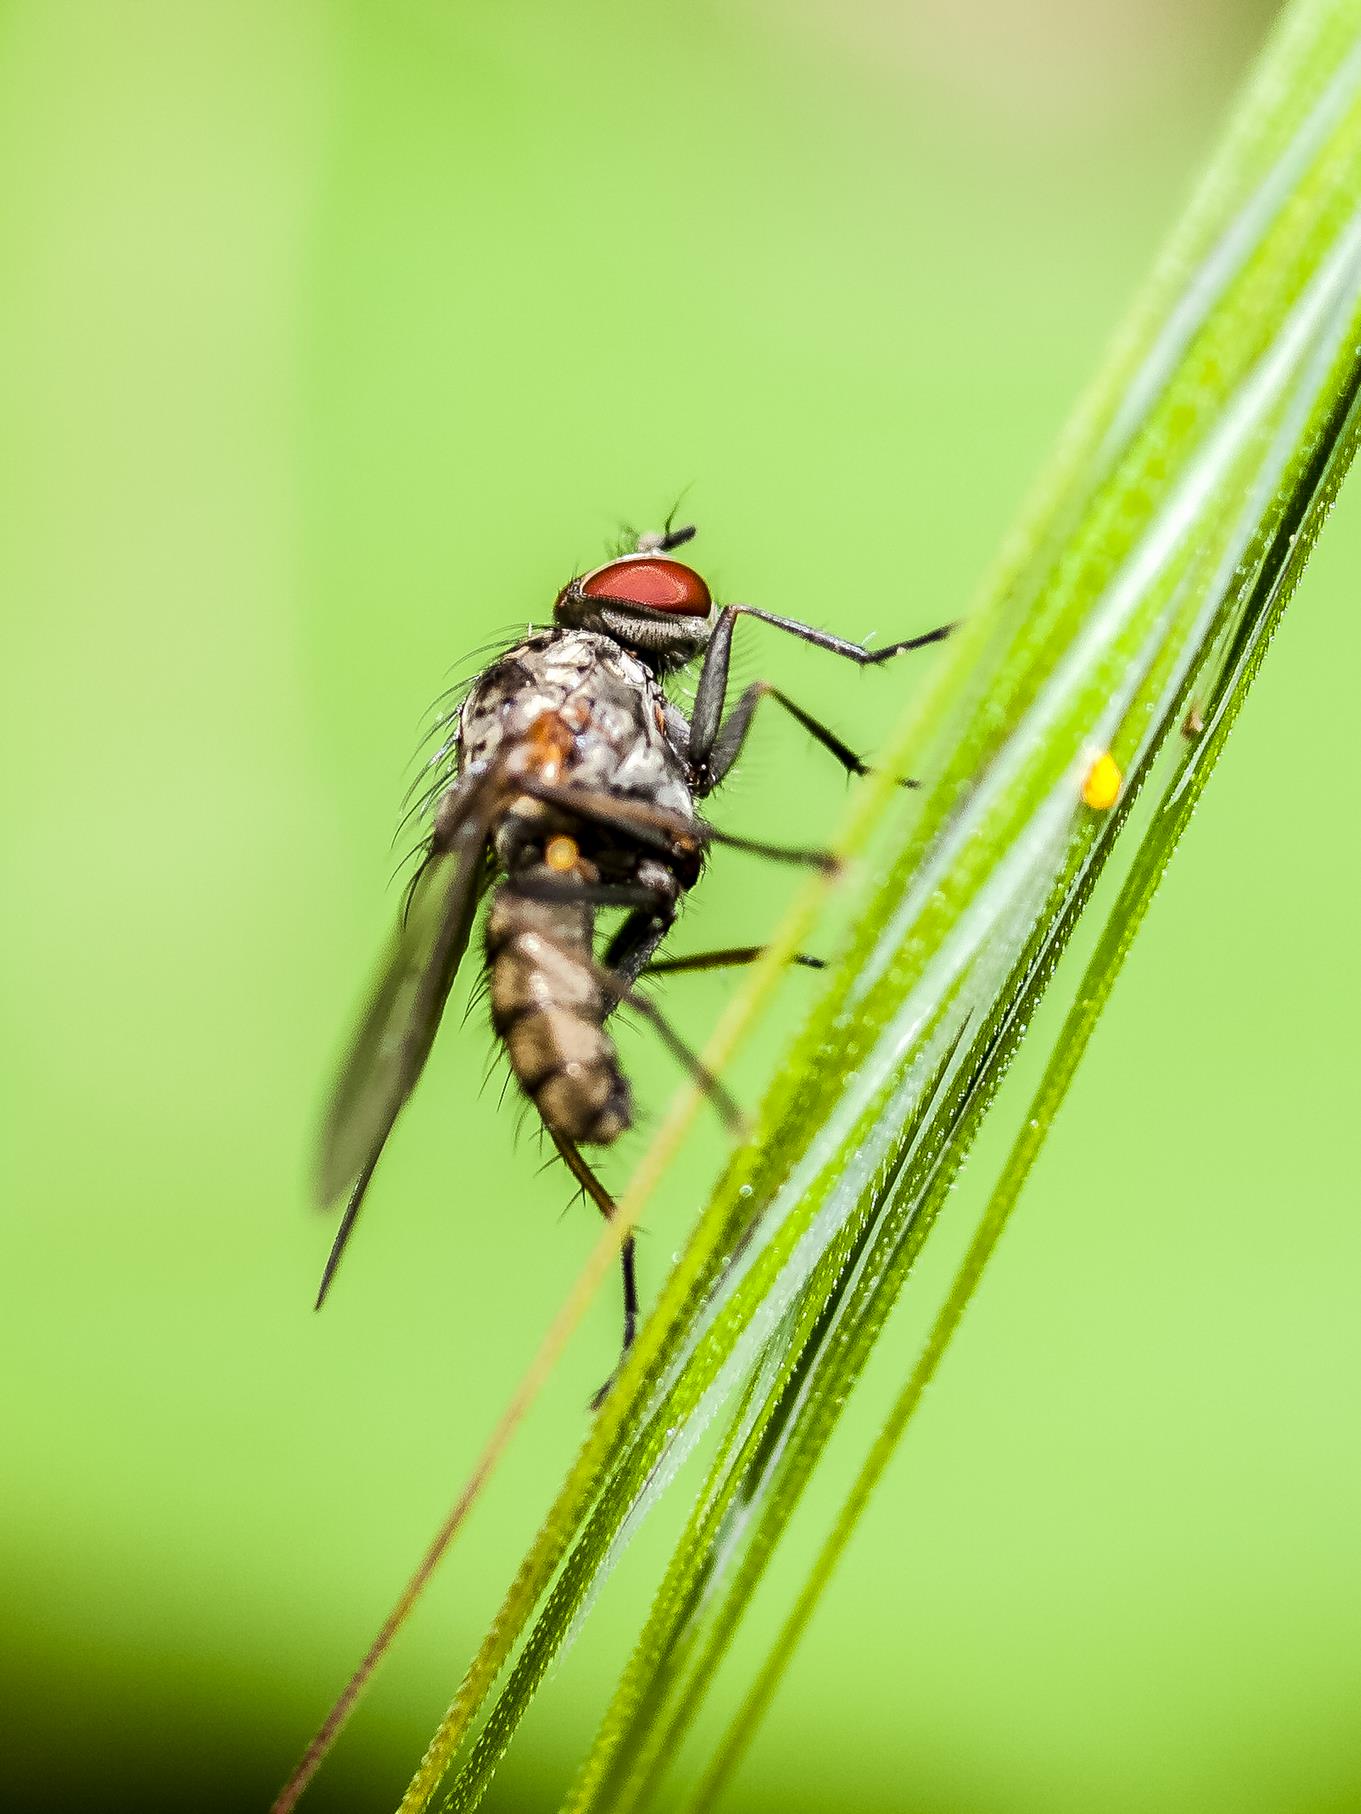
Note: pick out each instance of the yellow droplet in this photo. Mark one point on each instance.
(561, 853)
(1101, 789)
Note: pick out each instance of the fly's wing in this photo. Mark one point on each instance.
(398, 1028)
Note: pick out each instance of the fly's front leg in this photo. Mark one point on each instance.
(732, 734)
(715, 742)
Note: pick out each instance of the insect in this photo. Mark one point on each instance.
(576, 792)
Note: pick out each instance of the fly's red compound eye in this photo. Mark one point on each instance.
(655, 584)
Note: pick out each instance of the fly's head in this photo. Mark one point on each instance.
(659, 608)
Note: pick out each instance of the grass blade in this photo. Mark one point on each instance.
(1293, 539)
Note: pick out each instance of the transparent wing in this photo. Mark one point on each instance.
(398, 1028)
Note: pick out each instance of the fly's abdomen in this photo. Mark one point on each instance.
(549, 1009)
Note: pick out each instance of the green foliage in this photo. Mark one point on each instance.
(1141, 587)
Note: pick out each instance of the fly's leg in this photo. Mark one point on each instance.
(629, 953)
(806, 856)
(658, 826)
(605, 1203)
(727, 959)
(576, 893)
(634, 945)
(732, 734)
(689, 1059)
(665, 830)
(652, 917)
(714, 744)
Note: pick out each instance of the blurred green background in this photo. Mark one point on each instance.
(332, 339)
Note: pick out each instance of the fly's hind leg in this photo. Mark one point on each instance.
(628, 951)
(605, 1203)
(731, 957)
(700, 1074)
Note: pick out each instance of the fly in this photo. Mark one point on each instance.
(576, 790)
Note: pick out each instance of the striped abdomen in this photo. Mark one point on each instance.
(549, 1009)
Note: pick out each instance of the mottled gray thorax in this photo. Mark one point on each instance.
(621, 724)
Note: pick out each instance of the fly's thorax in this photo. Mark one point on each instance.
(625, 737)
